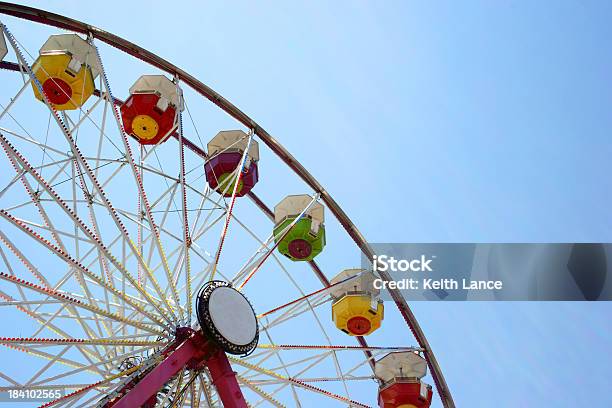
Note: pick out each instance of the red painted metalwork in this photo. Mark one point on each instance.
(358, 325)
(224, 380)
(405, 393)
(191, 350)
(146, 104)
(225, 163)
(56, 20)
(57, 90)
(299, 248)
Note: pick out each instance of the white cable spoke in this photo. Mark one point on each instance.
(77, 153)
(76, 302)
(71, 261)
(259, 391)
(77, 222)
(13, 99)
(140, 187)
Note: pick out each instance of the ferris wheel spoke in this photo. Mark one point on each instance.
(50, 229)
(10, 152)
(336, 347)
(79, 393)
(21, 256)
(62, 360)
(194, 249)
(252, 262)
(316, 380)
(5, 109)
(89, 332)
(285, 367)
(103, 253)
(89, 307)
(106, 361)
(332, 353)
(44, 323)
(57, 355)
(97, 392)
(205, 198)
(12, 272)
(205, 389)
(309, 304)
(61, 297)
(45, 285)
(102, 259)
(63, 255)
(310, 307)
(101, 138)
(80, 342)
(151, 237)
(50, 386)
(138, 180)
(286, 380)
(321, 292)
(76, 151)
(45, 148)
(61, 164)
(143, 265)
(154, 237)
(315, 359)
(264, 395)
(172, 388)
(9, 380)
(84, 116)
(295, 311)
(206, 226)
(236, 183)
(194, 393)
(186, 236)
(281, 235)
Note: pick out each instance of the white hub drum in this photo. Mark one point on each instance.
(227, 317)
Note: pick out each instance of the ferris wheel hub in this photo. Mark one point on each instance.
(227, 317)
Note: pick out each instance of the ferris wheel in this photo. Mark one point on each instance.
(139, 266)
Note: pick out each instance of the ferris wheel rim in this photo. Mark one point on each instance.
(56, 20)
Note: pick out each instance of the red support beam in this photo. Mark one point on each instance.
(194, 351)
(224, 380)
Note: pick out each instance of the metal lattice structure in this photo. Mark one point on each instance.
(106, 242)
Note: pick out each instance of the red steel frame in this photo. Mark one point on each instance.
(56, 20)
(190, 350)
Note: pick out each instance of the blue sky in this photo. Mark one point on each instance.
(438, 121)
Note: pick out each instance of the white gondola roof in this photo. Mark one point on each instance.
(293, 205)
(75, 46)
(158, 84)
(233, 140)
(401, 364)
(363, 283)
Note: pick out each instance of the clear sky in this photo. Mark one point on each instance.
(473, 121)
